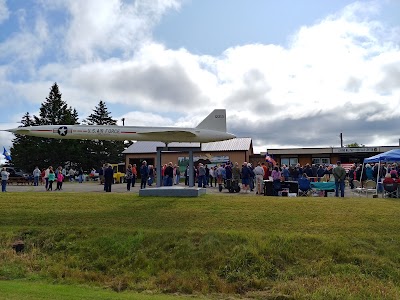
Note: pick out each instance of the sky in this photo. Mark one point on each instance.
(289, 73)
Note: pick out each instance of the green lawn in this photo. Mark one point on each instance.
(21, 290)
(259, 247)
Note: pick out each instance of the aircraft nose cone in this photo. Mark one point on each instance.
(18, 130)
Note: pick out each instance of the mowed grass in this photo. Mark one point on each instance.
(258, 247)
(27, 290)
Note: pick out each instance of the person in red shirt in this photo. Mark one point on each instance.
(390, 179)
(265, 168)
(134, 174)
(42, 175)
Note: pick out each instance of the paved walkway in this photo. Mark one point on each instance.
(93, 186)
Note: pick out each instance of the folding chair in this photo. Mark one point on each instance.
(277, 186)
(358, 189)
(369, 187)
(304, 187)
(390, 190)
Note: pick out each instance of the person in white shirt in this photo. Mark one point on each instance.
(4, 178)
(36, 176)
(259, 172)
(212, 176)
(71, 174)
(46, 176)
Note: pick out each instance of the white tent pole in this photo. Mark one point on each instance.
(362, 171)
(377, 177)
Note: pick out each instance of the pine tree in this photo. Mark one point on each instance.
(101, 116)
(37, 151)
(54, 110)
(28, 152)
(24, 151)
(100, 151)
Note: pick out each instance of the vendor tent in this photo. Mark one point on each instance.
(389, 156)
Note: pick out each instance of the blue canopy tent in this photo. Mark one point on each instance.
(389, 156)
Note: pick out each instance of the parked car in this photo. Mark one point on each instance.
(17, 172)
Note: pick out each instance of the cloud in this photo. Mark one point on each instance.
(4, 12)
(97, 29)
(23, 49)
(340, 74)
(151, 84)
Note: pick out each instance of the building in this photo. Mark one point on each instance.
(330, 155)
(235, 150)
(241, 150)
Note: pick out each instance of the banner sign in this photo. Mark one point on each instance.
(354, 150)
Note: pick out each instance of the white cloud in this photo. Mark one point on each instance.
(23, 49)
(340, 74)
(100, 28)
(4, 12)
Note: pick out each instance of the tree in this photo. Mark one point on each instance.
(355, 145)
(101, 116)
(36, 151)
(99, 152)
(29, 152)
(55, 111)
(24, 149)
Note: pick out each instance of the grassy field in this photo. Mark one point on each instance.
(214, 246)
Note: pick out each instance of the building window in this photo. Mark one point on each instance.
(289, 161)
(321, 161)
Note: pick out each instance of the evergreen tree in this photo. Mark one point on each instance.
(28, 151)
(54, 110)
(24, 151)
(100, 151)
(37, 151)
(101, 116)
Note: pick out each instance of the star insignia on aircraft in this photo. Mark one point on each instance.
(62, 130)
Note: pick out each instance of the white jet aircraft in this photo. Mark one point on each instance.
(211, 129)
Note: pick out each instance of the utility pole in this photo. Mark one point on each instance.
(341, 140)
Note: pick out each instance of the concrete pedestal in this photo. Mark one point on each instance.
(172, 191)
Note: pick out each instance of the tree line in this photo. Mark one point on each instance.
(29, 152)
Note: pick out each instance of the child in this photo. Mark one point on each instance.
(60, 179)
(51, 178)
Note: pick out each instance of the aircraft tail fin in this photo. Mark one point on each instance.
(214, 121)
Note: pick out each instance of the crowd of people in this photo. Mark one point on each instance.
(249, 177)
(373, 171)
(383, 172)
